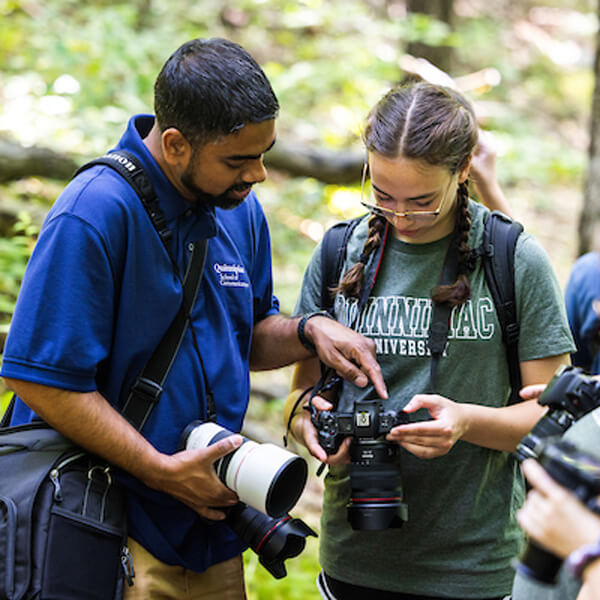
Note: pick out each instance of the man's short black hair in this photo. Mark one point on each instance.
(212, 87)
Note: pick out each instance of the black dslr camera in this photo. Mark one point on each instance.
(570, 395)
(375, 476)
(580, 473)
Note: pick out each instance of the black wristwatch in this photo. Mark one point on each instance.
(579, 559)
(302, 324)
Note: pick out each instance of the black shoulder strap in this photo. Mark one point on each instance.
(333, 253)
(499, 241)
(147, 388)
(129, 167)
(442, 311)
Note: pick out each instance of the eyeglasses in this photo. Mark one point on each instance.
(388, 213)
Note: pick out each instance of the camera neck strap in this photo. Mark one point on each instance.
(148, 386)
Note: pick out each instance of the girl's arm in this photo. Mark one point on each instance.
(490, 427)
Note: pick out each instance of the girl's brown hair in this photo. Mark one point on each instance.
(434, 124)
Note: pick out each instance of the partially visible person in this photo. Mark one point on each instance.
(559, 522)
(582, 299)
(100, 290)
(460, 481)
(585, 434)
(483, 175)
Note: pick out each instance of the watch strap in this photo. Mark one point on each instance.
(579, 559)
(302, 325)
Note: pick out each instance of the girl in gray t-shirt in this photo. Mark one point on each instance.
(459, 480)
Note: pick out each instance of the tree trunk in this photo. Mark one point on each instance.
(328, 166)
(18, 161)
(442, 10)
(590, 213)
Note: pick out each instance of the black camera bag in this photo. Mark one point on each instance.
(62, 519)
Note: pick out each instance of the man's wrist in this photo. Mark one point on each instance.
(302, 329)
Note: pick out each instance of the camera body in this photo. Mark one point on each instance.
(570, 395)
(375, 474)
(368, 421)
(575, 470)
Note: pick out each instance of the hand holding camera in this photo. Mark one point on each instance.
(194, 481)
(269, 480)
(558, 512)
(435, 436)
(554, 516)
(375, 475)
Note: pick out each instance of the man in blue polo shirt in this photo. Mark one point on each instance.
(100, 291)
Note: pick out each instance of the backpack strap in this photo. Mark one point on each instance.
(333, 254)
(500, 236)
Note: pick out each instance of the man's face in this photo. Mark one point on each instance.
(223, 172)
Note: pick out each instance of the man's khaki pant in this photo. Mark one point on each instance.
(154, 580)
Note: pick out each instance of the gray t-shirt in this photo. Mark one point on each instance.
(461, 532)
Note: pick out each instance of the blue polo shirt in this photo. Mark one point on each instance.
(582, 290)
(100, 291)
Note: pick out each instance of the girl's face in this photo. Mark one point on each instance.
(403, 185)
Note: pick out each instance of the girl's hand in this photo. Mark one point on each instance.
(305, 432)
(429, 439)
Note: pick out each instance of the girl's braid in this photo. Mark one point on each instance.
(351, 284)
(460, 291)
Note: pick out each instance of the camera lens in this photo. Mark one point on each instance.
(274, 540)
(376, 487)
(269, 478)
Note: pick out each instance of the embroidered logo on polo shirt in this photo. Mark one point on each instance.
(231, 275)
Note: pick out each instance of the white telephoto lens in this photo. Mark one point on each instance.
(265, 476)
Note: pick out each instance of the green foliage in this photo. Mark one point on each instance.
(73, 72)
(299, 583)
(14, 253)
(4, 401)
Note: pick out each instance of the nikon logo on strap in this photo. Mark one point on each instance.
(123, 160)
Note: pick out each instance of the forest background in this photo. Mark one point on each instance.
(71, 74)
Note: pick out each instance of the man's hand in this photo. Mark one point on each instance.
(190, 477)
(351, 354)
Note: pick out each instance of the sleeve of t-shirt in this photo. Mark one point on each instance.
(309, 299)
(540, 308)
(265, 302)
(67, 298)
(583, 288)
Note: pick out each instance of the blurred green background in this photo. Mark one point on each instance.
(72, 73)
